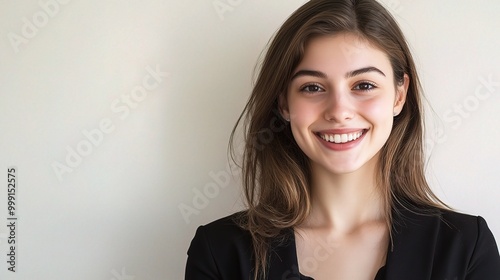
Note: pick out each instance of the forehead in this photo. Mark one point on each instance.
(343, 52)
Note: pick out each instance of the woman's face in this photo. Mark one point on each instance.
(341, 102)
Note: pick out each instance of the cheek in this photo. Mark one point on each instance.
(303, 113)
(380, 114)
(378, 109)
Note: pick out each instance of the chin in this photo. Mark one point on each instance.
(343, 169)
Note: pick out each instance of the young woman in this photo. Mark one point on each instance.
(333, 165)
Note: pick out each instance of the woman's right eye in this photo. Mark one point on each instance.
(311, 88)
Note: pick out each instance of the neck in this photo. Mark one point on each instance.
(344, 202)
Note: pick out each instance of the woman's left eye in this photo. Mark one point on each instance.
(365, 86)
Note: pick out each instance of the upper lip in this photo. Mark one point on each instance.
(340, 131)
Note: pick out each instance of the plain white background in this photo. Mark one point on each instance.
(117, 115)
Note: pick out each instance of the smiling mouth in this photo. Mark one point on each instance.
(341, 138)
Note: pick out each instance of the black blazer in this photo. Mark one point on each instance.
(443, 246)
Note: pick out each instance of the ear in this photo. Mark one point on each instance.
(283, 107)
(400, 99)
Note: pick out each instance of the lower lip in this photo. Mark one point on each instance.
(341, 146)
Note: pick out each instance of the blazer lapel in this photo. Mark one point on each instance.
(414, 242)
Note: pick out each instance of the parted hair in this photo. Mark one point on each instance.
(275, 172)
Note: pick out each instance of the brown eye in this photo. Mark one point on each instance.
(365, 86)
(311, 88)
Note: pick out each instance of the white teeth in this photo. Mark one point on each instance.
(341, 138)
(344, 138)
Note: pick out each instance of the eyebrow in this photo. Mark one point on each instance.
(349, 74)
(364, 70)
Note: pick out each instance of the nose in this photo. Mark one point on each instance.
(338, 108)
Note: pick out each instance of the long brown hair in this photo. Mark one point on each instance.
(276, 173)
